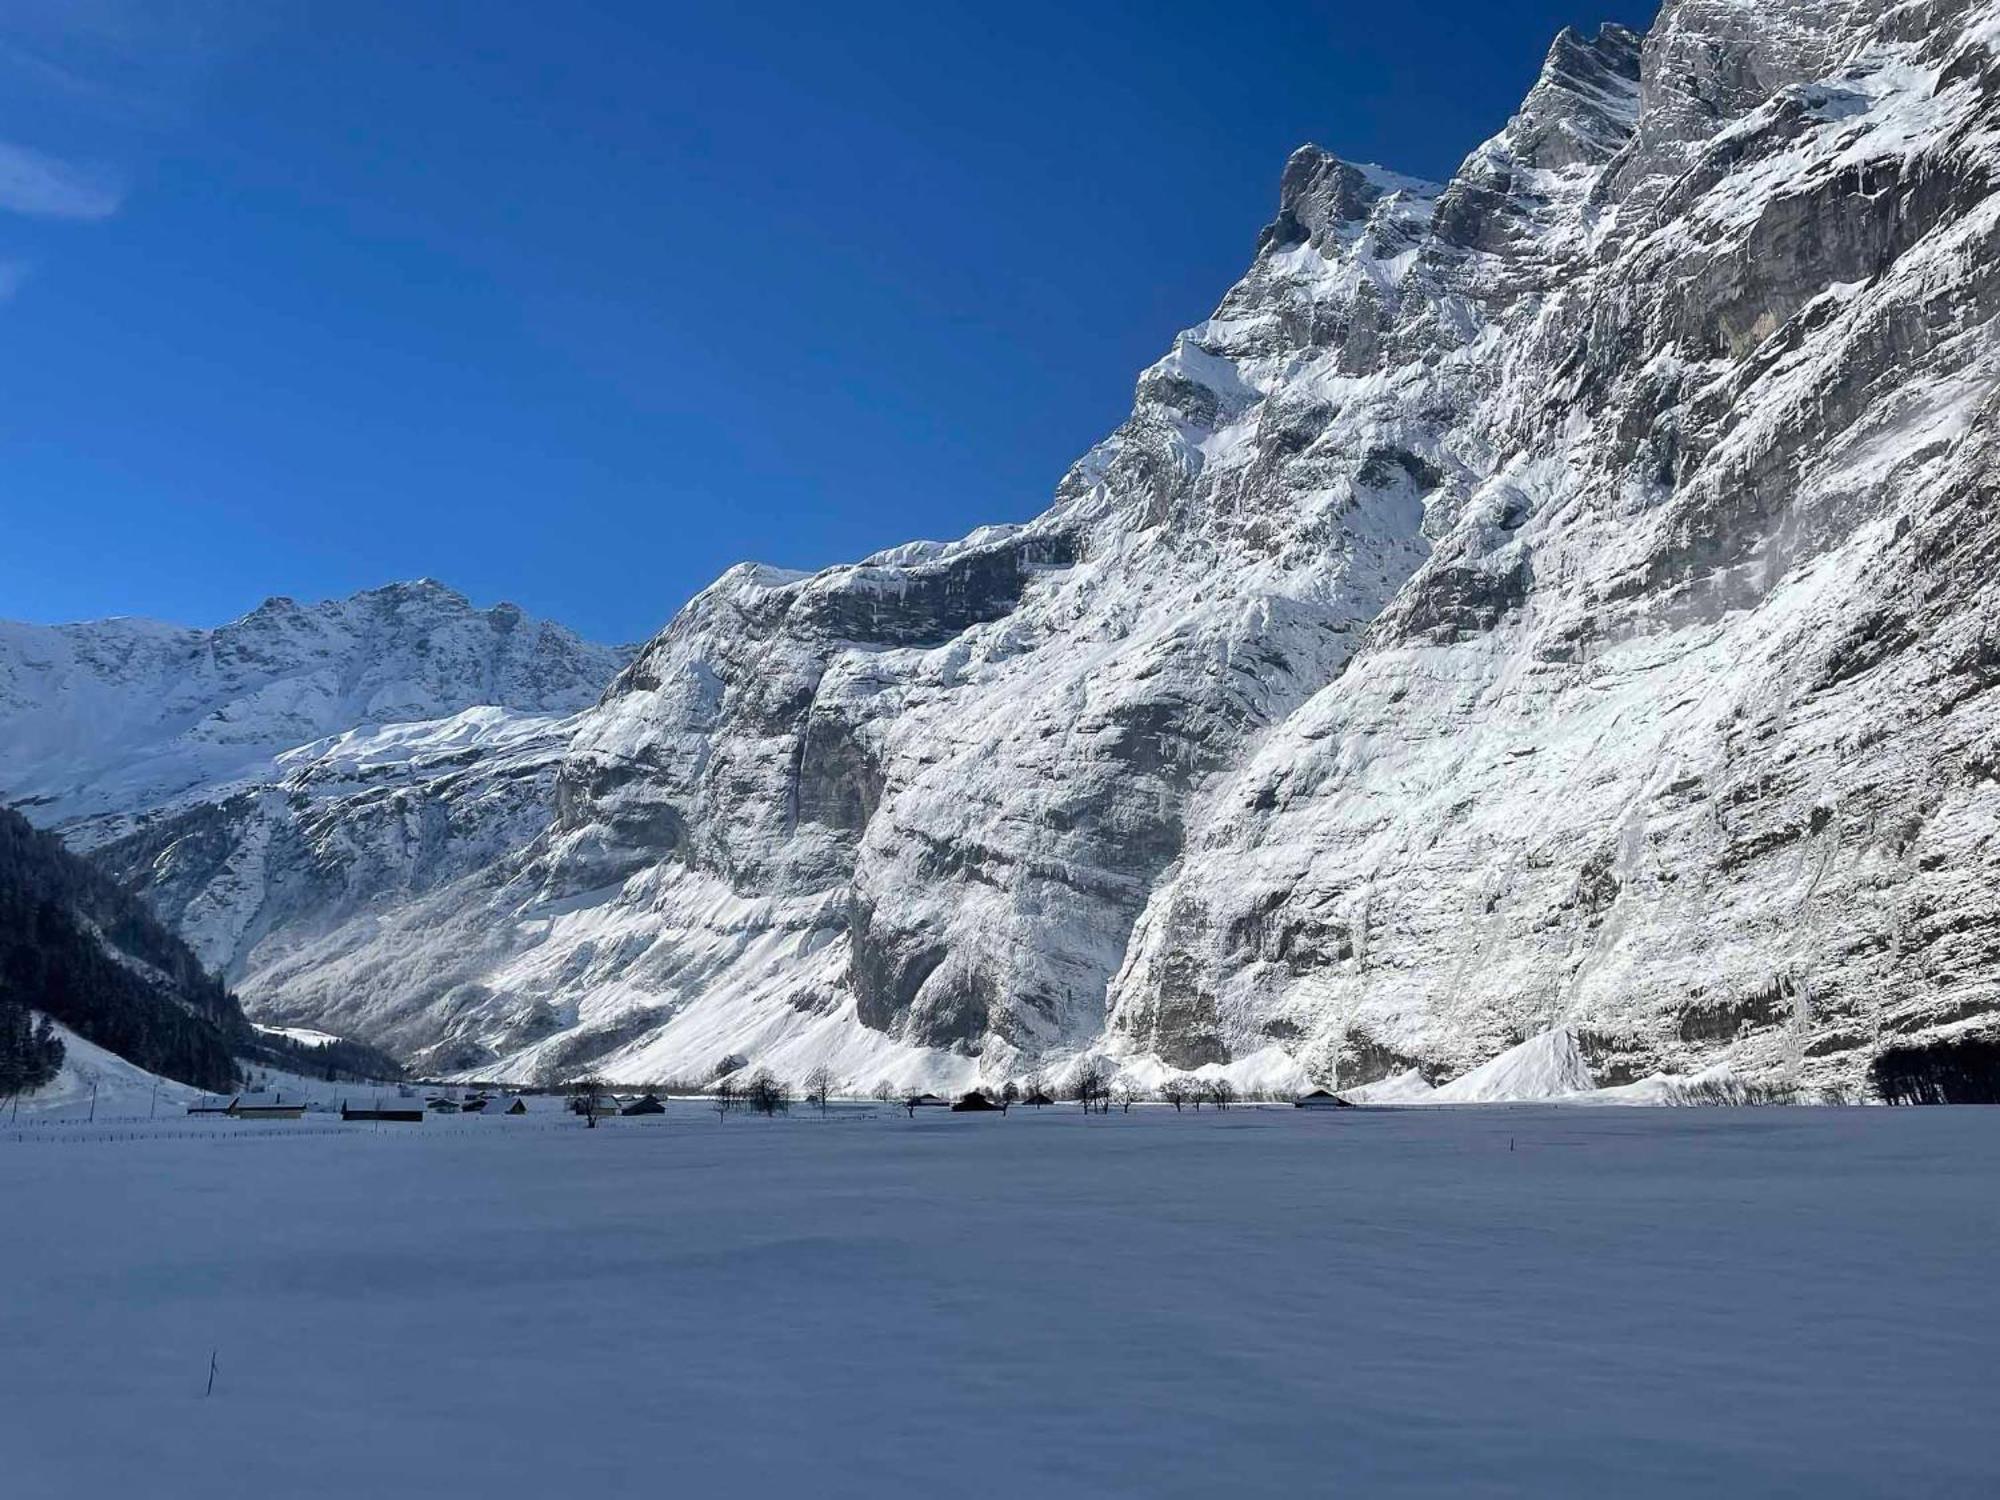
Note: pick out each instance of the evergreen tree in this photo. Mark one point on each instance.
(85, 952)
(31, 1054)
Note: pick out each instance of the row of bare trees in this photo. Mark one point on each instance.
(762, 1093)
(1184, 1089)
(1091, 1085)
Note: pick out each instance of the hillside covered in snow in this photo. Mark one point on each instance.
(1559, 601)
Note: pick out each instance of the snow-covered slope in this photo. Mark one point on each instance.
(1556, 601)
(97, 1083)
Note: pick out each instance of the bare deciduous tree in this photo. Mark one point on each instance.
(586, 1097)
(1010, 1092)
(1092, 1083)
(725, 1096)
(819, 1086)
(766, 1094)
(1220, 1092)
(1178, 1090)
(1125, 1094)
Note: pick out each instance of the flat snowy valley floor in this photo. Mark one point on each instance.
(1628, 1302)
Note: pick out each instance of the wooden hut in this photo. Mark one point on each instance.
(648, 1105)
(518, 1107)
(1320, 1099)
(976, 1103)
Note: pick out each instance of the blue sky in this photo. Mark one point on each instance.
(577, 305)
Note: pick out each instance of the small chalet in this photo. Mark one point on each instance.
(400, 1111)
(927, 1101)
(263, 1107)
(1320, 1099)
(1038, 1099)
(444, 1106)
(475, 1104)
(518, 1107)
(649, 1105)
(976, 1103)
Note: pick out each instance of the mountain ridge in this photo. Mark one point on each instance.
(113, 716)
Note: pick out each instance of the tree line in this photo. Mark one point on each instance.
(734, 1086)
(1962, 1071)
(31, 1054)
(78, 948)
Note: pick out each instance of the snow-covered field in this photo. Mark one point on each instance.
(1530, 1301)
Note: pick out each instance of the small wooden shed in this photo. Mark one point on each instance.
(1320, 1099)
(401, 1112)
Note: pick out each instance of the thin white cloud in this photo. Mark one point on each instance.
(47, 187)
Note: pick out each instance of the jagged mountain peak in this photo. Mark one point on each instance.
(1585, 103)
(1320, 195)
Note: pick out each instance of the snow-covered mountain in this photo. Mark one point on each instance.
(1556, 602)
(298, 765)
(112, 718)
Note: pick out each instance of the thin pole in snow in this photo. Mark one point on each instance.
(93, 1105)
(211, 1373)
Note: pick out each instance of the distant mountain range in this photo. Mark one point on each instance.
(1565, 598)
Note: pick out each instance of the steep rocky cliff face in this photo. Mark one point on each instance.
(1559, 597)
(1681, 736)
